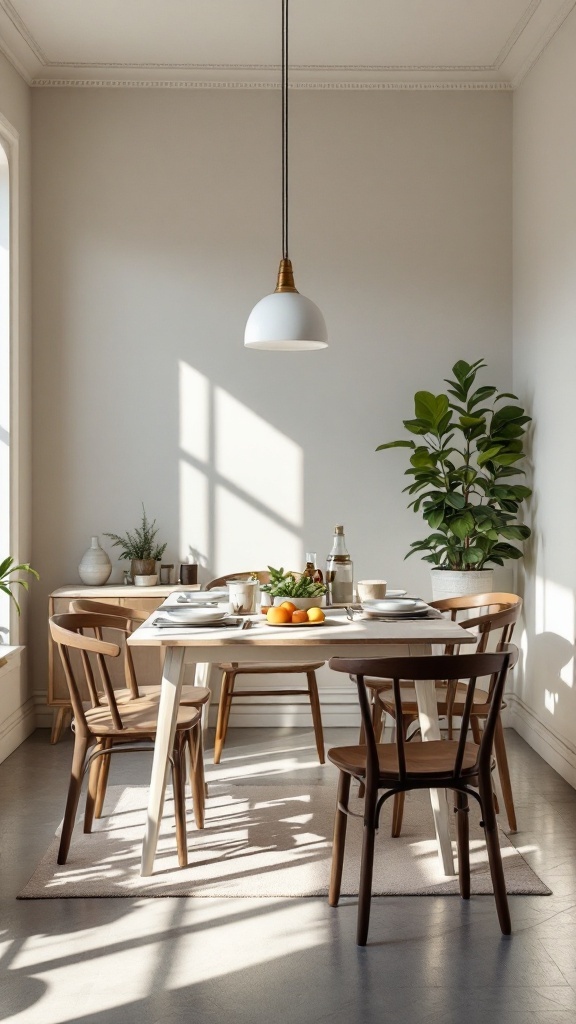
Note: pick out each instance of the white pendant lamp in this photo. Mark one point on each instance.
(285, 321)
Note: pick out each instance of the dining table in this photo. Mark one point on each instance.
(339, 635)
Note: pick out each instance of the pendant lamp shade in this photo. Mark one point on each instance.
(285, 321)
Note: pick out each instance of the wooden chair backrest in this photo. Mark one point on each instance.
(220, 581)
(495, 626)
(67, 631)
(135, 617)
(454, 668)
(493, 602)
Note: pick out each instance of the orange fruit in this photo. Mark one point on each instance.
(315, 615)
(278, 615)
(288, 606)
(299, 615)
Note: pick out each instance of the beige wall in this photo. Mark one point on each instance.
(545, 375)
(16, 704)
(157, 228)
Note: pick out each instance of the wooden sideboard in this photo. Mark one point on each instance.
(147, 662)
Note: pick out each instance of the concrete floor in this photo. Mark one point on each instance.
(166, 961)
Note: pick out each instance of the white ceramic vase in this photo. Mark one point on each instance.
(458, 583)
(95, 567)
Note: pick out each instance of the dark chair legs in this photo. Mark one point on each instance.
(366, 871)
(494, 854)
(463, 844)
(340, 823)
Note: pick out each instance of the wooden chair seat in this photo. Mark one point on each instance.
(255, 669)
(231, 671)
(138, 716)
(192, 696)
(436, 758)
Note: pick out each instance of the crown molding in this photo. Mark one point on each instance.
(105, 83)
(553, 27)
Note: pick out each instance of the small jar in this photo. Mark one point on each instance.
(166, 574)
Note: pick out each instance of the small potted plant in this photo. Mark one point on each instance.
(140, 547)
(8, 580)
(470, 445)
(301, 590)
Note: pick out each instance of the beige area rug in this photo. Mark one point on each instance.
(262, 841)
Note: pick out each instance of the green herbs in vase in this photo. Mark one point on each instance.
(290, 584)
(463, 468)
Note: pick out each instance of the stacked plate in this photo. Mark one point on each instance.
(193, 616)
(396, 608)
(202, 597)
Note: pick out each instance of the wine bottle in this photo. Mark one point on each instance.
(339, 571)
(311, 570)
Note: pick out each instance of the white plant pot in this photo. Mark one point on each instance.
(458, 583)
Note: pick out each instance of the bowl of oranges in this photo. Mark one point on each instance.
(288, 614)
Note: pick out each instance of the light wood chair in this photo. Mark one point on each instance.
(397, 767)
(108, 726)
(191, 696)
(494, 629)
(230, 672)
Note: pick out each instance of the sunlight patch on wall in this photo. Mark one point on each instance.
(550, 701)
(194, 513)
(558, 608)
(245, 535)
(194, 413)
(258, 459)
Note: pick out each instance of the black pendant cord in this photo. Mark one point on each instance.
(285, 129)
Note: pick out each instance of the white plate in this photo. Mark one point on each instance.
(193, 615)
(392, 594)
(419, 613)
(202, 597)
(400, 606)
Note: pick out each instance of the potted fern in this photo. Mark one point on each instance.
(464, 468)
(140, 547)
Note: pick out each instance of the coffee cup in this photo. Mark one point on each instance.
(243, 596)
(371, 590)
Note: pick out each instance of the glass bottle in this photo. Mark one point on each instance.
(339, 571)
(311, 570)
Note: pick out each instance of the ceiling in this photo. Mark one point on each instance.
(369, 44)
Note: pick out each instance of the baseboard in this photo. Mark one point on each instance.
(560, 754)
(16, 728)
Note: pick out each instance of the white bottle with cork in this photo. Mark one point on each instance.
(339, 572)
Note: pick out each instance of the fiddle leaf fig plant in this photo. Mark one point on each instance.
(464, 466)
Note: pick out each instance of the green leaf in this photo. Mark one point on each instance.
(455, 500)
(462, 526)
(396, 444)
(515, 532)
(488, 455)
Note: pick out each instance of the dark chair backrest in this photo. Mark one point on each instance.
(452, 667)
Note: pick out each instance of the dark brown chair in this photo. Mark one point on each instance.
(494, 629)
(455, 764)
(230, 672)
(107, 726)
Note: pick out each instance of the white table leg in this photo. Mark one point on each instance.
(430, 730)
(172, 678)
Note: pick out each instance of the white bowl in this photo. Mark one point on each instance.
(302, 602)
(146, 581)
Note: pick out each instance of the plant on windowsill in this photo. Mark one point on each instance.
(140, 547)
(8, 581)
(469, 447)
